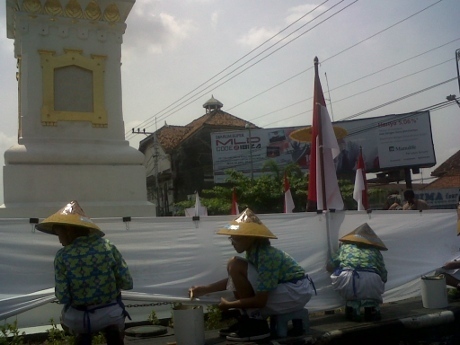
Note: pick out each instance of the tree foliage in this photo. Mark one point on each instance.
(264, 193)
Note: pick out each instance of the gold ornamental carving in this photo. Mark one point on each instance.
(93, 11)
(53, 7)
(112, 14)
(72, 9)
(32, 6)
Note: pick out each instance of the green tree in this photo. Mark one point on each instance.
(265, 193)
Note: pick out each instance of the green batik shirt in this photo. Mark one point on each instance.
(90, 271)
(274, 266)
(352, 256)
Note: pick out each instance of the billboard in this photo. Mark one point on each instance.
(439, 198)
(388, 142)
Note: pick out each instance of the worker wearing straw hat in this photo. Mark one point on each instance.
(90, 273)
(451, 269)
(359, 273)
(268, 281)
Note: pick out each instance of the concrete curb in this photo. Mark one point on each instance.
(391, 328)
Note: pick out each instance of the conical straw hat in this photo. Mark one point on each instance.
(246, 224)
(304, 134)
(364, 234)
(71, 214)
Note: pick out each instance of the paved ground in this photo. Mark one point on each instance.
(404, 322)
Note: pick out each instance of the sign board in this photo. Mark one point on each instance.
(247, 152)
(439, 198)
(391, 142)
(388, 142)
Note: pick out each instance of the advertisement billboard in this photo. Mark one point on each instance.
(391, 142)
(439, 198)
(388, 142)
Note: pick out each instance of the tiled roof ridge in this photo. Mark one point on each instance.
(450, 167)
(170, 136)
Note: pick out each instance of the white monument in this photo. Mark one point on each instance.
(71, 136)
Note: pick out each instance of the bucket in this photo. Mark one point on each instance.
(189, 324)
(434, 291)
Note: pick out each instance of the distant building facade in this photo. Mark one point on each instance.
(178, 159)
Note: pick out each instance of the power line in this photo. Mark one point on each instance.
(393, 81)
(374, 108)
(361, 78)
(352, 46)
(164, 116)
(341, 52)
(399, 99)
(240, 59)
(243, 57)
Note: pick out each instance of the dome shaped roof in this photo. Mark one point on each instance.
(212, 104)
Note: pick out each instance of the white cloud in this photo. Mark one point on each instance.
(298, 11)
(256, 36)
(214, 18)
(156, 32)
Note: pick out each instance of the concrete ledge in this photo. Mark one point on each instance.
(416, 323)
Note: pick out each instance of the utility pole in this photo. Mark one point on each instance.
(155, 157)
(247, 126)
(451, 98)
(457, 59)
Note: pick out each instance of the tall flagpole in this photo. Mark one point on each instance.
(320, 144)
(321, 160)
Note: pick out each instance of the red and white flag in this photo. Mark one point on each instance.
(234, 210)
(324, 148)
(360, 190)
(288, 201)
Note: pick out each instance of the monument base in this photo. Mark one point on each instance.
(37, 191)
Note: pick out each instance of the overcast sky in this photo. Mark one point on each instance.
(256, 57)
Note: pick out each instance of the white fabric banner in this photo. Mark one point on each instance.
(167, 255)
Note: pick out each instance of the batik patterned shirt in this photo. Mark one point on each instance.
(352, 256)
(274, 266)
(90, 271)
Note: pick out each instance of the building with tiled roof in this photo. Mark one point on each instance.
(179, 158)
(448, 173)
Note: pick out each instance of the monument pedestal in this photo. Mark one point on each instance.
(39, 190)
(71, 142)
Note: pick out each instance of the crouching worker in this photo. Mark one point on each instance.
(89, 276)
(451, 269)
(359, 273)
(268, 281)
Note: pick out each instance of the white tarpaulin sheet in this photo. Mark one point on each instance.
(168, 255)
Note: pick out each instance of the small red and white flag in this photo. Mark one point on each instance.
(288, 201)
(234, 210)
(360, 190)
(198, 210)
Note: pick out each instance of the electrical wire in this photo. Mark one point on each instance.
(336, 55)
(338, 87)
(164, 116)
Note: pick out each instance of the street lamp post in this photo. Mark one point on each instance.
(247, 126)
(453, 98)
